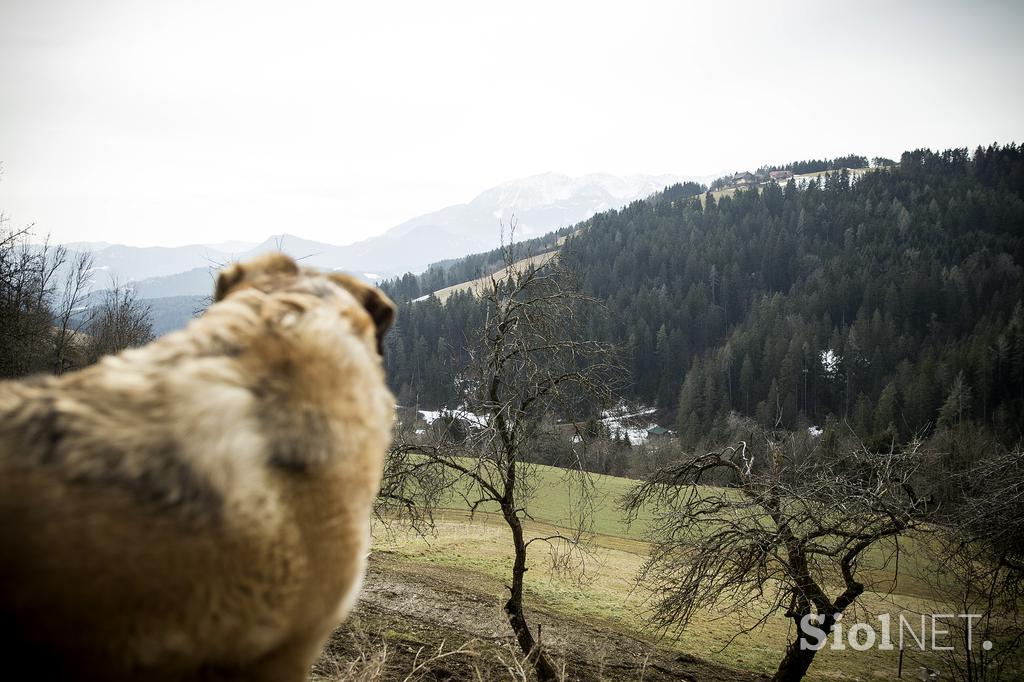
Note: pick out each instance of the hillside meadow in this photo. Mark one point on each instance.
(475, 548)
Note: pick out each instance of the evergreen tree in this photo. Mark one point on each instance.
(795, 301)
(957, 406)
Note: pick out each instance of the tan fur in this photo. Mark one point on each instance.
(198, 508)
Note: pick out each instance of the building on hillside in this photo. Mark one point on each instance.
(780, 175)
(659, 433)
(744, 179)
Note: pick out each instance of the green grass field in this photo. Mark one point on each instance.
(608, 593)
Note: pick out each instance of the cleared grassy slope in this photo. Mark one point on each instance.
(479, 284)
(608, 593)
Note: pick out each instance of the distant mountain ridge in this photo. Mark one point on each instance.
(539, 204)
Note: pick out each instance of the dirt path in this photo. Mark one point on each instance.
(410, 612)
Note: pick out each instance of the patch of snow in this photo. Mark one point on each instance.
(372, 275)
(430, 416)
(635, 434)
(421, 298)
(615, 420)
(814, 431)
(830, 362)
(620, 413)
(804, 179)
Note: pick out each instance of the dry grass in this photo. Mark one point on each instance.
(377, 659)
(477, 286)
(372, 656)
(476, 553)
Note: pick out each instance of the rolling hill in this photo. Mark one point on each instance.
(892, 304)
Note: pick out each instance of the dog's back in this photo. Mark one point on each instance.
(198, 508)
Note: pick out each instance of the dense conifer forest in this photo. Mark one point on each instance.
(893, 303)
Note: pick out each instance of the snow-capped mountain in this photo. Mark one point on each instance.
(539, 203)
(596, 192)
(123, 264)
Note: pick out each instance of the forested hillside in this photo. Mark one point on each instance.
(892, 303)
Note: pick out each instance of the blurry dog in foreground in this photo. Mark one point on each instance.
(198, 508)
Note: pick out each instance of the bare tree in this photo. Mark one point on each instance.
(120, 321)
(20, 320)
(27, 288)
(412, 487)
(68, 325)
(772, 536)
(528, 364)
(979, 567)
(24, 320)
(990, 513)
(42, 286)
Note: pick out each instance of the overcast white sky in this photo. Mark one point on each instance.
(198, 121)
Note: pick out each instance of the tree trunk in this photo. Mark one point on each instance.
(546, 672)
(795, 663)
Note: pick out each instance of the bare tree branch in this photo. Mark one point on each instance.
(527, 365)
(771, 538)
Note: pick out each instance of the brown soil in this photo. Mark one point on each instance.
(413, 615)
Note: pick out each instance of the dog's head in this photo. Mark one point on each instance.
(277, 272)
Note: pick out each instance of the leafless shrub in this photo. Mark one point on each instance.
(41, 287)
(120, 321)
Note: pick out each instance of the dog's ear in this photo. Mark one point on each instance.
(376, 302)
(227, 280)
(236, 275)
(382, 312)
